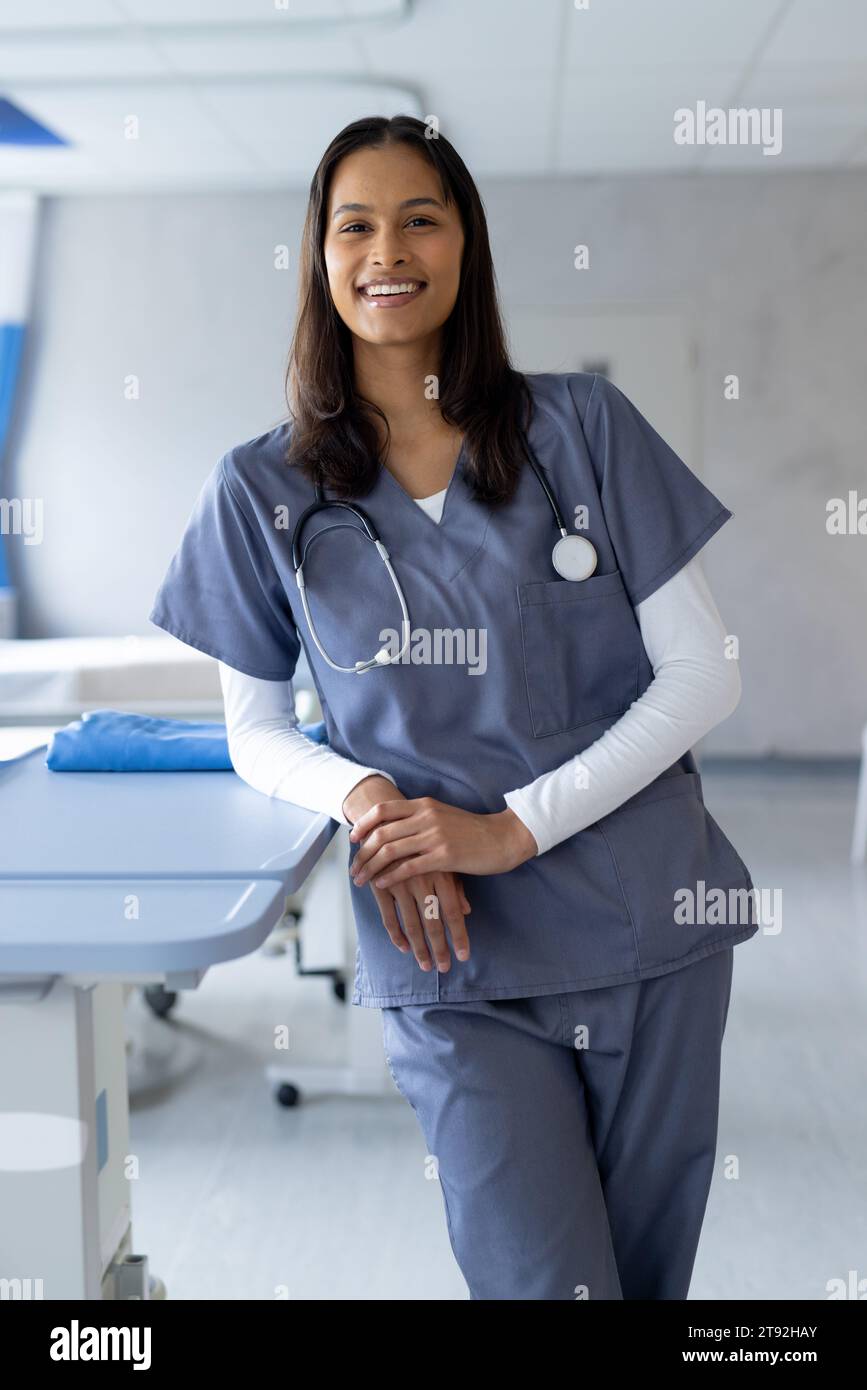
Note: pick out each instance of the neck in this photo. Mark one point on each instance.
(397, 378)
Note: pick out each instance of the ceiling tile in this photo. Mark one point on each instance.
(236, 93)
(86, 58)
(45, 14)
(211, 53)
(512, 37)
(665, 32)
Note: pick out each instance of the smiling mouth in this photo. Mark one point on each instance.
(390, 299)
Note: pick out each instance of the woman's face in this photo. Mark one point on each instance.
(403, 232)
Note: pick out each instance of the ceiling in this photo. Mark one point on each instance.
(247, 93)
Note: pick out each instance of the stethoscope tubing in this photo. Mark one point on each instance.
(382, 657)
(543, 483)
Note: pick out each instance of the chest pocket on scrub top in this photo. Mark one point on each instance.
(581, 648)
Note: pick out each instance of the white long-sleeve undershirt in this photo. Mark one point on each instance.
(695, 686)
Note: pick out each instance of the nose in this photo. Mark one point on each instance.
(386, 264)
(389, 252)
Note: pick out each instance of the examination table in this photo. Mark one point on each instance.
(106, 879)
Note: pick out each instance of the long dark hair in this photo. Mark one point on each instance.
(333, 434)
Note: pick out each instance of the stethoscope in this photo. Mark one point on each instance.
(573, 557)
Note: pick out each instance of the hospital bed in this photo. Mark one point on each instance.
(49, 679)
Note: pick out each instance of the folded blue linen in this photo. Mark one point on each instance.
(108, 740)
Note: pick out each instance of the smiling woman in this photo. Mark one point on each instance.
(522, 832)
(395, 277)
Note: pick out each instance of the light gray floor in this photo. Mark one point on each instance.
(240, 1199)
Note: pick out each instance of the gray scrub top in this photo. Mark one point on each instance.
(648, 888)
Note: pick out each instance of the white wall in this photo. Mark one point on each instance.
(181, 291)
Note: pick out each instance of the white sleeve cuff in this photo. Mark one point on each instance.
(325, 780)
(528, 808)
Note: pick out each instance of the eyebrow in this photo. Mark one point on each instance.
(365, 207)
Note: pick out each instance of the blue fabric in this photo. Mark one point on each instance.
(108, 740)
(575, 1133)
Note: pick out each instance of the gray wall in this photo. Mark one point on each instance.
(181, 291)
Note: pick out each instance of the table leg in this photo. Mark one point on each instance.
(64, 1137)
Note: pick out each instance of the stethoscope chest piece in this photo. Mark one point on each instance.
(574, 557)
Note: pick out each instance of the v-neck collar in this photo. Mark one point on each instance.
(454, 539)
(459, 463)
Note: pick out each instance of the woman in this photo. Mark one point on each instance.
(546, 911)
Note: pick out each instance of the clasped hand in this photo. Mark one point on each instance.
(415, 848)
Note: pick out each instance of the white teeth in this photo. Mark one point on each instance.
(405, 288)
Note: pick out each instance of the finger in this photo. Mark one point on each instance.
(432, 925)
(426, 863)
(450, 909)
(390, 921)
(389, 854)
(390, 832)
(459, 884)
(381, 811)
(412, 927)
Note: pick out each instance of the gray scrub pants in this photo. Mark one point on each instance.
(575, 1134)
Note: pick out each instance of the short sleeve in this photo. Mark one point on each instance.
(657, 512)
(222, 593)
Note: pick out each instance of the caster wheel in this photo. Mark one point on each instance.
(338, 988)
(288, 1095)
(156, 1287)
(160, 1001)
